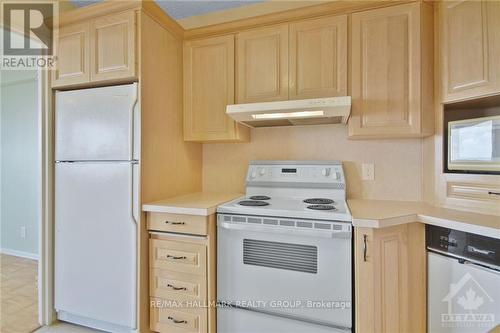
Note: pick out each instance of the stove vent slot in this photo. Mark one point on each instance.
(254, 220)
(287, 223)
(292, 257)
(239, 219)
(304, 224)
(270, 221)
(324, 226)
(227, 218)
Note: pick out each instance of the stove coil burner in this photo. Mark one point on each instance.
(319, 201)
(253, 203)
(321, 207)
(260, 197)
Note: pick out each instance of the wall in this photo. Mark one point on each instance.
(20, 161)
(398, 162)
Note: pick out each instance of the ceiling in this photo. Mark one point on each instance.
(180, 9)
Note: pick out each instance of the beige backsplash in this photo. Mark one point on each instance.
(398, 162)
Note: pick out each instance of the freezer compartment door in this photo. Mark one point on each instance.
(234, 320)
(95, 241)
(462, 298)
(97, 124)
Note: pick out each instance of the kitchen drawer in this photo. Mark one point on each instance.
(474, 191)
(181, 223)
(178, 286)
(178, 319)
(178, 256)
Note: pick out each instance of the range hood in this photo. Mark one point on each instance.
(330, 110)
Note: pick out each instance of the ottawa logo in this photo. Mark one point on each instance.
(469, 305)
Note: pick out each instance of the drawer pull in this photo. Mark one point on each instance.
(176, 258)
(176, 288)
(175, 223)
(493, 193)
(177, 321)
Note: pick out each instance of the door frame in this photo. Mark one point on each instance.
(46, 311)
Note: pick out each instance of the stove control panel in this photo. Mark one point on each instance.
(317, 173)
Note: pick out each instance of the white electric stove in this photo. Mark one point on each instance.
(284, 251)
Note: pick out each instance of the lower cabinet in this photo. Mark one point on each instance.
(181, 275)
(390, 279)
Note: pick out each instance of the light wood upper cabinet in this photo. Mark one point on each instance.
(113, 46)
(262, 65)
(95, 50)
(73, 57)
(208, 89)
(390, 279)
(318, 58)
(470, 33)
(392, 72)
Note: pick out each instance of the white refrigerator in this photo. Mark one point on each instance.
(97, 152)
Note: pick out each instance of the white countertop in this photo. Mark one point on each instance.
(200, 203)
(383, 213)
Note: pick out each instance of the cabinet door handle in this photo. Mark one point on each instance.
(176, 288)
(177, 321)
(365, 249)
(493, 193)
(175, 223)
(176, 257)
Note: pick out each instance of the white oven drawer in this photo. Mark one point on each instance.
(309, 273)
(232, 320)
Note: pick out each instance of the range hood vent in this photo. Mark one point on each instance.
(331, 110)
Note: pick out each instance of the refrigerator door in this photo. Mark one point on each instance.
(96, 124)
(95, 242)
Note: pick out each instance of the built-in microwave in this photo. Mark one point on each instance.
(474, 145)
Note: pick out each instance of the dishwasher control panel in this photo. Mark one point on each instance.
(463, 244)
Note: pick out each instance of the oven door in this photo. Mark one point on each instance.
(292, 272)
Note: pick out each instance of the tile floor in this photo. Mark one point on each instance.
(18, 294)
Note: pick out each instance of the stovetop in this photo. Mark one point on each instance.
(288, 207)
(293, 189)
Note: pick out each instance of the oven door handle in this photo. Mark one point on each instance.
(281, 230)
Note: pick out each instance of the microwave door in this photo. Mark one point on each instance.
(474, 144)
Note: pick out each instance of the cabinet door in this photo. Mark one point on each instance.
(262, 65)
(318, 58)
(208, 89)
(113, 46)
(386, 65)
(73, 60)
(390, 279)
(471, 48)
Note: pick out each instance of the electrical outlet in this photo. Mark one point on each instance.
(23, 232)
(368, 171)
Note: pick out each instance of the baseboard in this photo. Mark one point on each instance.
(21, 254)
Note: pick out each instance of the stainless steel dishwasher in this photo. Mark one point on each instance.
(463, 281)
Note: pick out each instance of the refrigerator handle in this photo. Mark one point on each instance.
(132, 123)
(134, 193)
